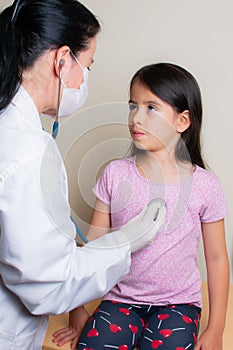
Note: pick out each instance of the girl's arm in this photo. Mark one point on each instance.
(99, 225)
(100, 221)
(218, 284)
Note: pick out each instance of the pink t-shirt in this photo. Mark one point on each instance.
(166, 271)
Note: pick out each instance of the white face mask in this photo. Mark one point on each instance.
(72, 98)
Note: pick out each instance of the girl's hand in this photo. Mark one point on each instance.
(77, 320)
(209, 340)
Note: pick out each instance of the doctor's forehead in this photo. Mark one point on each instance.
(88, 54)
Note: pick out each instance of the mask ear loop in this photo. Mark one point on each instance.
(56, 123)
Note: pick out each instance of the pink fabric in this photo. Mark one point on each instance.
(165, 272)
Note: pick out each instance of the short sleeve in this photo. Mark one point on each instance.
(215, 207)
(102, 188)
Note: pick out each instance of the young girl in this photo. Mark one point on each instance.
(158, 305)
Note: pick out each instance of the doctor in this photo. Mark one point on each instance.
(47, 47)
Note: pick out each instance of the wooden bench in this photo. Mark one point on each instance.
(61, 321)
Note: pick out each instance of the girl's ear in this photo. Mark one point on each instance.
(183, 121)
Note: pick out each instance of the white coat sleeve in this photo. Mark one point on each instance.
(40, 262)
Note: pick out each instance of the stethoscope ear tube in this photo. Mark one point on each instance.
(56, 123)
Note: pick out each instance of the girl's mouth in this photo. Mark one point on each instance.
(137, 134)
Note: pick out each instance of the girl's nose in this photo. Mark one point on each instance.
(137, 116)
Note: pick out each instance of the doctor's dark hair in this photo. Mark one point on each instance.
(30, 27)
(177, 87)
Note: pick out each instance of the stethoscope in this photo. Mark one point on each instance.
(79, 232)
(55, 130)
(56, 123)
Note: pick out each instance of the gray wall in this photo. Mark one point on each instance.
(194, 34)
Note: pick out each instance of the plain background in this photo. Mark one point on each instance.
(194, 34)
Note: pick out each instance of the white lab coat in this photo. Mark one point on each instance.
(42, 272)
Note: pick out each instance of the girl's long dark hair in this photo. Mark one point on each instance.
(179, 89)
(30, 27)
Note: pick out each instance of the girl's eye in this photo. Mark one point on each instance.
(132, 107)
(151, 108)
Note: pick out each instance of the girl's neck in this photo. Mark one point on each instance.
(162, 168)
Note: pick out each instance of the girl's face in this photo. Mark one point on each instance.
(153, 123)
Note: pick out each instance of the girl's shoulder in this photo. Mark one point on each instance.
(122, 165)
(204, 176)
(206, 181)
(118, 169)
(210, 192)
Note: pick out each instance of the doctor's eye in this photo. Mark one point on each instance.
(91, 65)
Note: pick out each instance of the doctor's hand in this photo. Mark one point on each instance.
(142, 229)
(77, 320)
